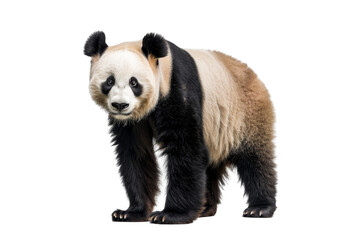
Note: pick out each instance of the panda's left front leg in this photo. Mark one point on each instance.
(138, 169)
(186, 166)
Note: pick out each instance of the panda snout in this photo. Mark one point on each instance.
(120, 106)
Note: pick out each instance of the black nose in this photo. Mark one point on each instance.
(119, 106)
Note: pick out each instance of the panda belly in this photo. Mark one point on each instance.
(223, 106)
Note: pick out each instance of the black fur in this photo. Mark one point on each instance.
(106, 87)
(178, 124)
(256, 171)
(95, 44)
(137, 90)
(154, 44)
(138, 168)
(215, 175)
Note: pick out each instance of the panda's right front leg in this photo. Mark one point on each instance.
(187, 159)
(186, 186)
(138, 170)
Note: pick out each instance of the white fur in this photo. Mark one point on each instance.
(123, 64)
(120, 94)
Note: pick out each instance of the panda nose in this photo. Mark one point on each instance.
(119, 106)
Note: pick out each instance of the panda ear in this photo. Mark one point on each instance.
(95, 44)
(155, 45)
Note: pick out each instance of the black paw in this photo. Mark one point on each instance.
(128, 216)
(169, 217)
(209, 211)
(260, 211)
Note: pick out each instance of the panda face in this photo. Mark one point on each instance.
(124, 84)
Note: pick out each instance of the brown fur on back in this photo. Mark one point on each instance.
(237, 111)
(258, 108)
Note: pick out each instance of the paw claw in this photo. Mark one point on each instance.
(263, 211)
(168, 217)
(128, 216)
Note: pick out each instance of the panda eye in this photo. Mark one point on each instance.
(110, 81)
(133, 82)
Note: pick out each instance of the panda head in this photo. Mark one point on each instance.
(125, 79)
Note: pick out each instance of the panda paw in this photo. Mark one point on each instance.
(169, 217)
(260, 211)
(209, 211)
(128, 216)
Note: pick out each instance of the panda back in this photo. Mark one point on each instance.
(223, 104)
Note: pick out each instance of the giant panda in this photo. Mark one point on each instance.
(206, 110)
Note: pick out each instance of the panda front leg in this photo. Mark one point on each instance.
(138, 169)
(186, 166)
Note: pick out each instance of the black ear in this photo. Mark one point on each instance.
(154, 44)
(95, 44)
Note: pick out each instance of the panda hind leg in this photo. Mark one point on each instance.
(256, 170)
(215, 176)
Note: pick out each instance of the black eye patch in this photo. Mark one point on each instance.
(107, 85)
(135, 86)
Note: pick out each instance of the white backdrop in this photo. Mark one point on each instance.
(58, 174)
